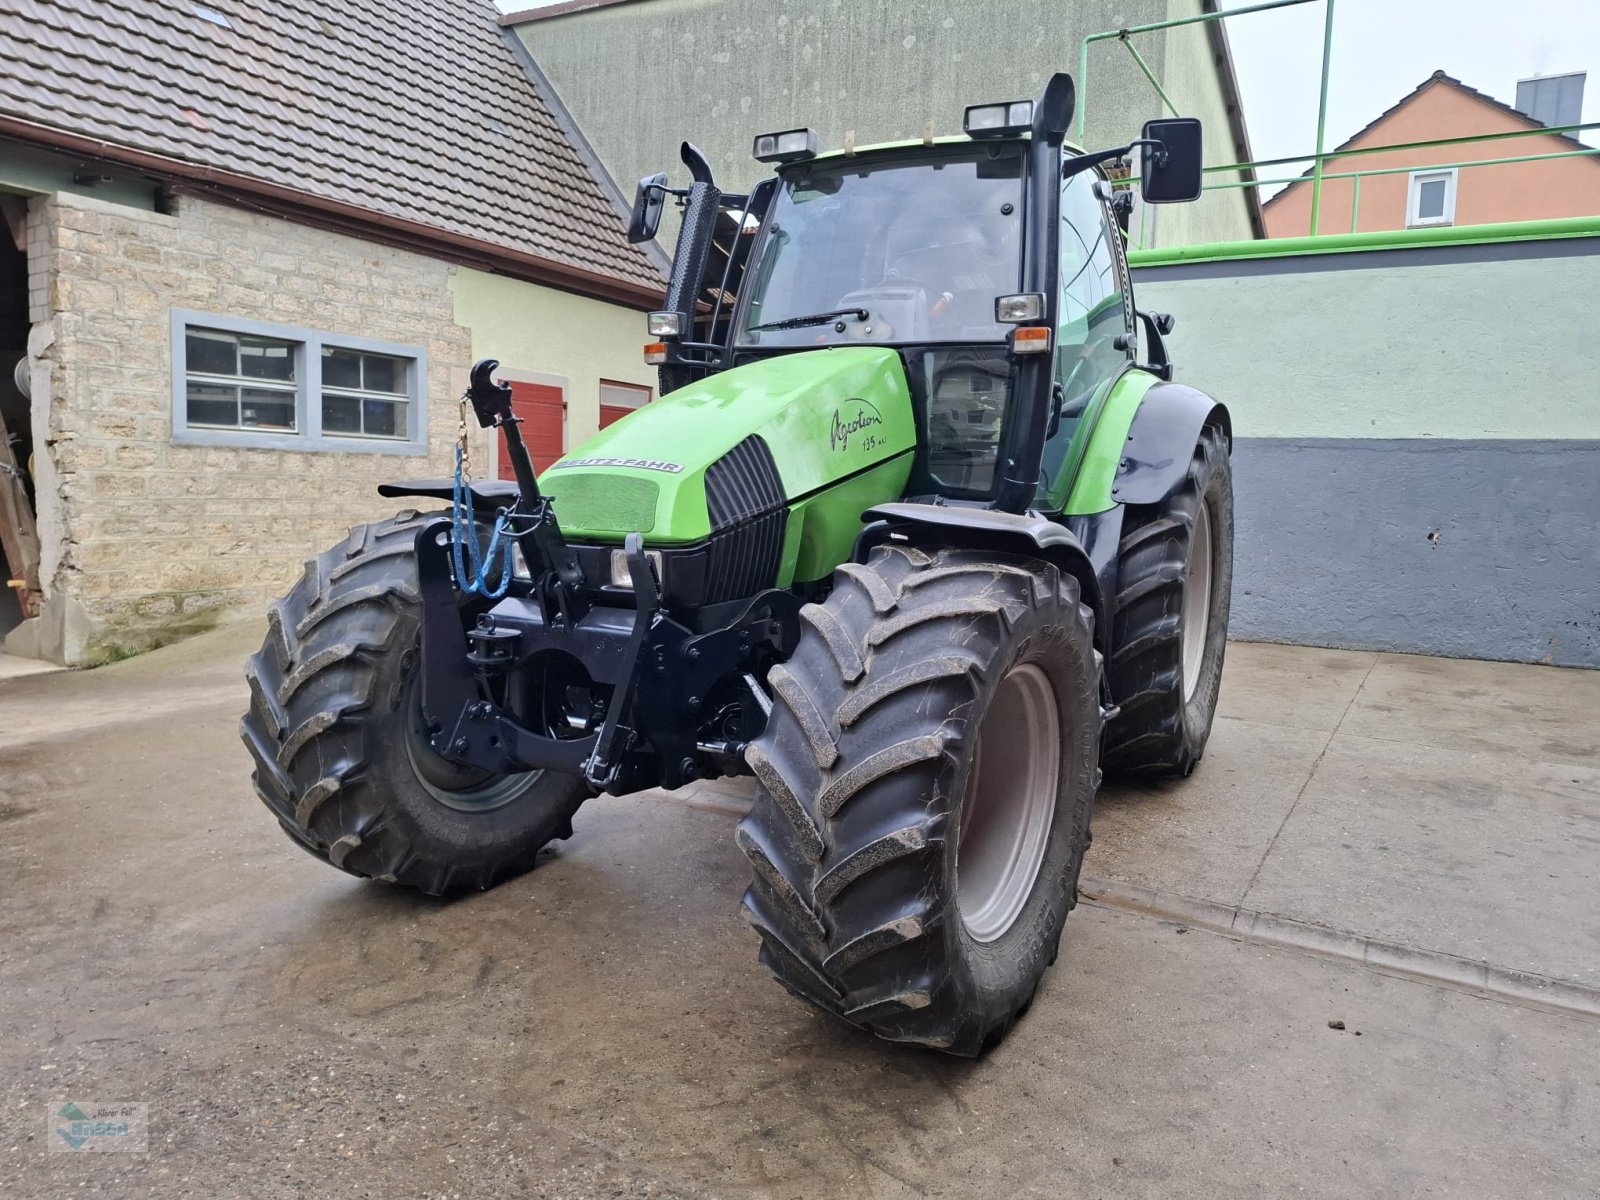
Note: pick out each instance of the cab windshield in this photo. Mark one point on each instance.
(890, 251)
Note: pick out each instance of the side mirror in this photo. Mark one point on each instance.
(648, 201)
(1170, 173)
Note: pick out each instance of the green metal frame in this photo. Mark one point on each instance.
(1389, 239)
(1320, 157)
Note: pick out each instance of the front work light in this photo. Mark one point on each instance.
(996, 120)
(664, 324)
(1014, 310)
(791, 145)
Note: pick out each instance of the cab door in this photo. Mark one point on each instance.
(1095, 311)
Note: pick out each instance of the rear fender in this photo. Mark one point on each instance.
(487, 494)
(1025, 534)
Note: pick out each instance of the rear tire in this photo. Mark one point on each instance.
(871, 784)
(1169, 589)
(335, 729)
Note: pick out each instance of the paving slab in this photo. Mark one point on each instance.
(600, 1027)
(1298, 686)
(1485, 856)
(1551, 714)
(1205, 836)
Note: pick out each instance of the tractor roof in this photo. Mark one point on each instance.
(949, 139)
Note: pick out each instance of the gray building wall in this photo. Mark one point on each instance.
(639, 78)
(1418, 455)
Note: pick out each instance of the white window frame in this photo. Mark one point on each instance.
(308, 435)
(1414, 197)
(633, 389)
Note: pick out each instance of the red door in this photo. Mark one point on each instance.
(542, 409)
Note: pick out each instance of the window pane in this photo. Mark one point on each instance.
(264, 408)
(212, 405)
(341, 368)
(211, 352)
(1430, 199)
(384, 374)
(384, 418)
(341, 414)
(263, 358)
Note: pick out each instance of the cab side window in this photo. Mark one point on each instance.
(1091, 315)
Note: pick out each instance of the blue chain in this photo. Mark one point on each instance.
(464, 533)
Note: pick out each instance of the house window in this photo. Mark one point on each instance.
(617, 400)
(235, 381)
(1431, 199)
(277, 387)
(364, 394)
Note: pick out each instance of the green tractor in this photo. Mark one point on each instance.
(920, 534)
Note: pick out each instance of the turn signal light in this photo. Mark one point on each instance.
(655, 353)
(1030, 339)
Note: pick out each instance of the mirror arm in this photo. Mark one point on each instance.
(1084, 161)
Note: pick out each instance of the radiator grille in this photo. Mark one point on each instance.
(743, 483)
(745, 559)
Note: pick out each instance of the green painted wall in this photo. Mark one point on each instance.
(1481, 342)
(537, 329)
(641, 78)
(1416, 464)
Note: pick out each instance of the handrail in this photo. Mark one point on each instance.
(1380, 239)
(1152, 27)
(1320, 158)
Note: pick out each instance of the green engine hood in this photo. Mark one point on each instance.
(823, 416)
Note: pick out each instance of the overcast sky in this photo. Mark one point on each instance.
(1382, 49)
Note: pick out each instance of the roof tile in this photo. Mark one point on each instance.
(410, 108)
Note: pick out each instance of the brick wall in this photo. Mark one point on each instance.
(146, 541)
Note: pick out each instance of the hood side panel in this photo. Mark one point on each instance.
(722, 448)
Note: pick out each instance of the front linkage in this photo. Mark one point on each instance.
(659, 702)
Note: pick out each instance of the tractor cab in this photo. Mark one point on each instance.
(1008, 326)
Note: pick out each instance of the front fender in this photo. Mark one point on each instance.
(1140, 447)
(1026, 534)
(1161, 441)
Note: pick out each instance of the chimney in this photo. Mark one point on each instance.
(1552, 99)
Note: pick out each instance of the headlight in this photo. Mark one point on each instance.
(622, 577)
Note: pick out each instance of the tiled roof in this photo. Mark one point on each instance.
(1437, 77)
(412, 109)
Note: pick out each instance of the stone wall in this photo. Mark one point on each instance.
(144, 540)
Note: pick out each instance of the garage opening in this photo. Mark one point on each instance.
(19, 546)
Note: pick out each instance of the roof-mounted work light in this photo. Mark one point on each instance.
(997, 120)
(791, 145)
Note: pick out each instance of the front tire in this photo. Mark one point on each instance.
(335, 728)
(924, 791)
(1170, 619)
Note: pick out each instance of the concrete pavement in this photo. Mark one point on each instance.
(600, 1027)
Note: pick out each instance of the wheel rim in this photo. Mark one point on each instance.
(1009, 804)
(464, 789)
(1196, 601)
